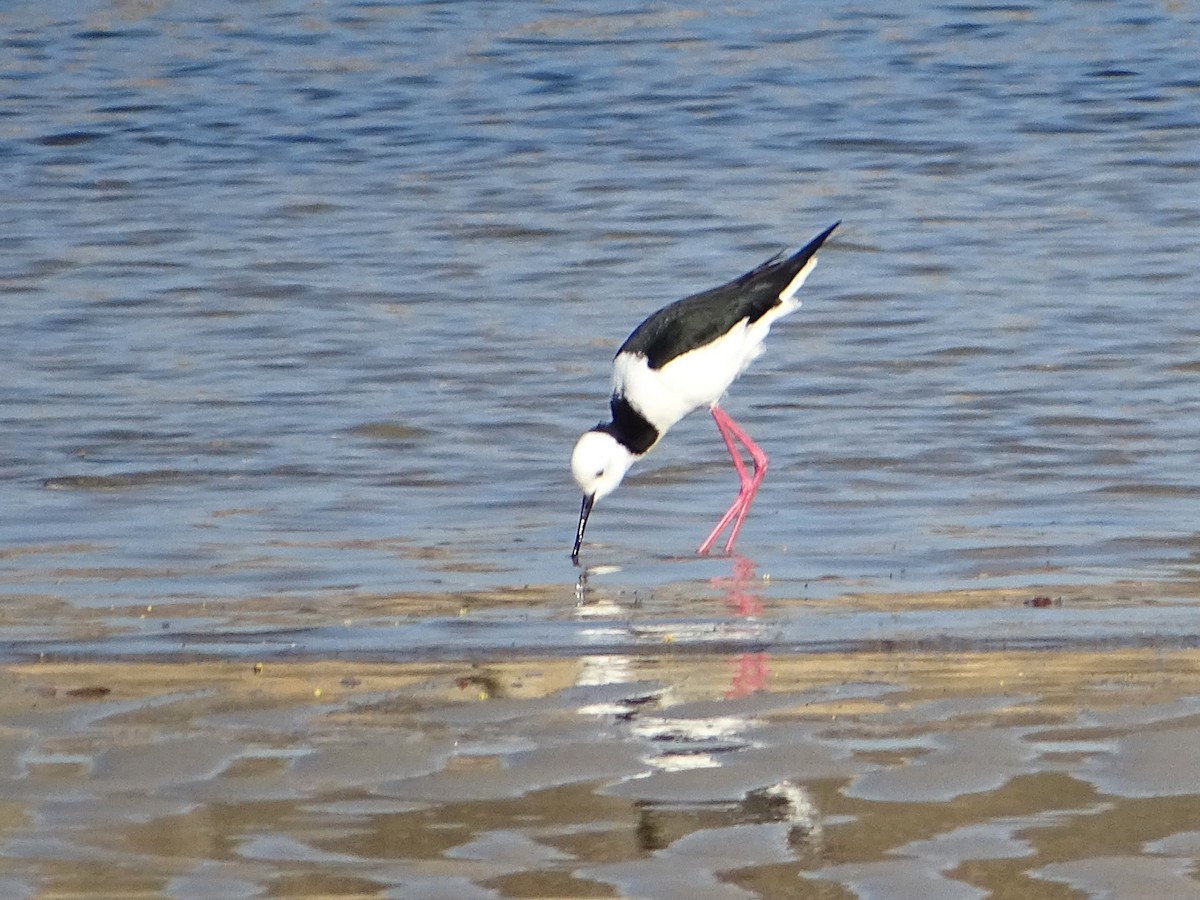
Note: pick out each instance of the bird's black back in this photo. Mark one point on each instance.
(701, 318)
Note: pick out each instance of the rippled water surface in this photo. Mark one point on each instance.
(303, 305)
(315, 298)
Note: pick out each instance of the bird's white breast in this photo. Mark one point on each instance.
(693, 379)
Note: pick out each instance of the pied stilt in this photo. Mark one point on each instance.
(681, 358)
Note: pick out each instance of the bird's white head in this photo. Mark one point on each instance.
(598, 463)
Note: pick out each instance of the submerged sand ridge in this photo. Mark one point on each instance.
(744, 612)
(1036, 774)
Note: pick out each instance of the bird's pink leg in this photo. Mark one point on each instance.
(749, 483)
(743, 478)
(748, 491)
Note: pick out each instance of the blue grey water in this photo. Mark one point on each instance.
(304, 299)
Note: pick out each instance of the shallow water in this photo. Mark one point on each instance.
(304, 306)
(301, 298)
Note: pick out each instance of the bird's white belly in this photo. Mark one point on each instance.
(694, 379)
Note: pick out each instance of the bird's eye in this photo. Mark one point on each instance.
(599, 473)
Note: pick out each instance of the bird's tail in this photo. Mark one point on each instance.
(797, 266)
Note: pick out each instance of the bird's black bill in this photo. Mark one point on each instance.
(584, 511)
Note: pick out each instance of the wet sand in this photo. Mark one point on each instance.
(667, 772)
(304, 306)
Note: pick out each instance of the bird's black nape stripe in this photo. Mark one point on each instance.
(630, 427)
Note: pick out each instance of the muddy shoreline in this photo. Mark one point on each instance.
(669, 772)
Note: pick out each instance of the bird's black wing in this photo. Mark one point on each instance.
(701, 318)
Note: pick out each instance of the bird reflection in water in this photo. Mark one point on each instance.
(750, 668)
